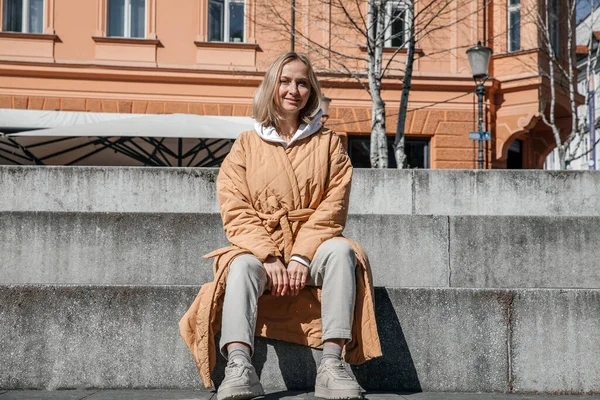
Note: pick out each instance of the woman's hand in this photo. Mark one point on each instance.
(278, 276)
(297, 274)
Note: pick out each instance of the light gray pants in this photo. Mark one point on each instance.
(332, 268)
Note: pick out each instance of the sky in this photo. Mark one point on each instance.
(583, 8)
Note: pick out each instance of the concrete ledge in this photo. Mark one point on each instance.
(110, 248)
(551, 252)
(108, 189)
(555, 341)
(61, 337)
(192, 190)
(174, 394)
(405, 250)
(94, 337)
(507, 192)
(165, 190)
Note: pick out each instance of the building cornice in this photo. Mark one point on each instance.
(228, 45)
(29, 36)
(122, 40)
(96, 72)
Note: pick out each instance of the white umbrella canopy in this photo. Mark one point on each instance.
(156, 125)
(95, 139)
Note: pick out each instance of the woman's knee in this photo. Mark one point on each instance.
(340, 250)
(245, 267)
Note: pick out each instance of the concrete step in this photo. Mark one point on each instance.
(126, 337)
(192, 190)
(149, 394)
(405, 250)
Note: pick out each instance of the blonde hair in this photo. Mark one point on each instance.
(265, 110)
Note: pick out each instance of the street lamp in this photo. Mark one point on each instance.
(325, 102)
(479, 59)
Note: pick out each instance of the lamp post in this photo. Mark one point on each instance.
(325, 102)
(479, 59)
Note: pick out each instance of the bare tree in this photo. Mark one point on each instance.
(370, 41)
(561, 74)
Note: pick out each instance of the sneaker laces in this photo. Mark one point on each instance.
(340, 371)
(233, 368)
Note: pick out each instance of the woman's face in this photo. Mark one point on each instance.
(294, 88)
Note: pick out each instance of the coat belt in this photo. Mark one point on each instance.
(282, 218)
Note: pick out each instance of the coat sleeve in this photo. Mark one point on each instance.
(329, 219)
(242, 225)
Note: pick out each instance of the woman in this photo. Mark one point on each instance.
(283, 192)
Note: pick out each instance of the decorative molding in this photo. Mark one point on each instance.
(391, 50)
(151, 19)
(27, 47)
(49, 17)
(529, 122)
(229, 45)
(250, 10)
(515, 53)
(219, 55)
(34, 36)
(202, 21)
(101, 9)
(121, 40)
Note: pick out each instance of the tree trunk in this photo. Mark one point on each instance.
(562, 157)
(379, 151)
(399, 152)
(379, 155)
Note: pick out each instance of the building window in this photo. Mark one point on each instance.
(514, 25)
(26, 16)
(416, 150)
(515, 155)
(553, 16)
(127, 18)
(226, 20)
(397, 24)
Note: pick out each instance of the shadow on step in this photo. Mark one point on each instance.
(395, 371)
(288, 366)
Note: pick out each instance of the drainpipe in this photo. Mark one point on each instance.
(293, 27)
(592, 121)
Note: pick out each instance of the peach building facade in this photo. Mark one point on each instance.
(207, 57)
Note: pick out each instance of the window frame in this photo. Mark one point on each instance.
(424, 141)
(513, 9)
(390, 5)
(226, 21)
(127, 20)
(25, 13)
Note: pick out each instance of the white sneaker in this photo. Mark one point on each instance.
(336, 381)
(241, 382)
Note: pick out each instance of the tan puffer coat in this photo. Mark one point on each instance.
(282, 201)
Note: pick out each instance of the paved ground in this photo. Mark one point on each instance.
(198, 395)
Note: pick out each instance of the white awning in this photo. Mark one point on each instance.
(39, 119)
(80, 138)
(72, 124)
